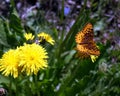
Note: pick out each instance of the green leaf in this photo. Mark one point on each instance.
(3, 39)
(15, 23)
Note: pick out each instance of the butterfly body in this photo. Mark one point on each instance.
(86, 46)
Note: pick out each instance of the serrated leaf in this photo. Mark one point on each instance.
(3, 39)
(15, 23)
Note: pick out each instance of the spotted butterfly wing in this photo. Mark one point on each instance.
(85, 35)
(85, 43)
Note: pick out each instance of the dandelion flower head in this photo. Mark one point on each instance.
(28, 36)
(47, 38)
(33, 58)
(9, 63)
(93, 58)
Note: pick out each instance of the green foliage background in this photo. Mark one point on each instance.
(66, 75)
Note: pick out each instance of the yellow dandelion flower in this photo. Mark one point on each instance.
(33, 58)
(47, 38)
(28, 36)
(93, 58)
(9, 63)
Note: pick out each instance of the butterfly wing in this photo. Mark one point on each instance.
(86, 35)
(85, 44)
(89, 49)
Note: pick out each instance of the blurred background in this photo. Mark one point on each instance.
(63, 19)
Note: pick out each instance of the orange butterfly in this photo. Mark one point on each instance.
(85, 43)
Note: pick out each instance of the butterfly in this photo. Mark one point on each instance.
(86, 46)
